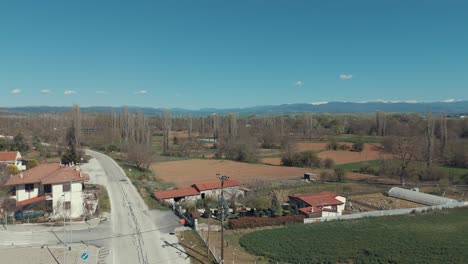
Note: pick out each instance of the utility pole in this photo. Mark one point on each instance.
(71, 231)
(222, 178)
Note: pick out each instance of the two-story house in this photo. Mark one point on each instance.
(12, 157)
(59, 185)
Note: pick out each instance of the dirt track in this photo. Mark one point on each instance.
(186, 172)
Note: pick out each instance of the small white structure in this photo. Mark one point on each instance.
(60, 186)
(12, 157)
(316, 205)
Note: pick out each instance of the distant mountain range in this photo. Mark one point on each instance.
(451, 108)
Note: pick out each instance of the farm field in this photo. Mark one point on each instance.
(439, 237)
(380, 201)
(370, 152)
(185, 172)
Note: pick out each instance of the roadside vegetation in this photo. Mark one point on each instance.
(103, 196)
(434, 237)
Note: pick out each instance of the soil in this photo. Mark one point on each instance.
(381, 201)
(370, 152)
(186, 172)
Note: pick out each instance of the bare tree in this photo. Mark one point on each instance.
(139, 154)
(76, 120)
(381, 123)
(429, 141)
(403, 148)
(443, 136)
(167, 122)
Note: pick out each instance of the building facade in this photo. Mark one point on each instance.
(61, 187)
(13, 157)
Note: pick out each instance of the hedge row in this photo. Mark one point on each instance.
(252, 222)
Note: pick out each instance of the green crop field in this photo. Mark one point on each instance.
(354, 166)
(440, 237)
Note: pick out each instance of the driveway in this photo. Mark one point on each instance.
(138, 234)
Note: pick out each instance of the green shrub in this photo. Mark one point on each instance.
(328, 163)
(31, 164)
(358, 146)
(332, 145)
(302, 159)
(340, 174)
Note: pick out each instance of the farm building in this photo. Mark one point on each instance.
(315, 205)
(13, 157)
(418, 197)
(200, 191)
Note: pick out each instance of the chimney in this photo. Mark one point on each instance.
(21, 175)
(81, 175)
(312, 209)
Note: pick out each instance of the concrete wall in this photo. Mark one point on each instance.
(387, 212)
(22, 194)
(228, 192)
(75, 196)
(340, 208)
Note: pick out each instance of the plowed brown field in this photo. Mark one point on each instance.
(186, 172)
(370, 152)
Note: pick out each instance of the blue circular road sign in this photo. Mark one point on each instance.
(84, 256)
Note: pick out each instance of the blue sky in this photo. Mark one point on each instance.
(196, 54)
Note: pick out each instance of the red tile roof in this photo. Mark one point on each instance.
(205, 186)
(308, 210)
(318, 199)
(30, 201)
(176, 193)
(8, 155)
(48, 173)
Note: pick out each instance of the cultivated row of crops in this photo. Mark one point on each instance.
(440, 237)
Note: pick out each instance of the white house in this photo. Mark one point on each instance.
(60, 186)
(200, 191)
(12, 157)
(315, 205)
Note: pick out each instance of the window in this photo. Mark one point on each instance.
(29, 187)
(66, 187)
(66, 205)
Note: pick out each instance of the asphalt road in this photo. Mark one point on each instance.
(138, 234)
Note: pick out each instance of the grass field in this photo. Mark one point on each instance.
(374, 164)
(354, 166)
(440, 237)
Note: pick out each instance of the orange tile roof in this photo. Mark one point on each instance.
(204, 186)
(8, 155)
(318, 199)
(176, 193)
(30, 201)
(48, 173)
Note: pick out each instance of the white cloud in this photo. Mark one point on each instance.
(70, 92)
(298, 84)
(102, 92)
(346, 76)
(15, 91)
(46, 91)
(451, 100)
(318, 103)
(141, 92)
